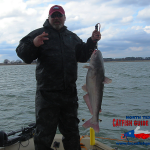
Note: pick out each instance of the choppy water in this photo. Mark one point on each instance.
(127, 95)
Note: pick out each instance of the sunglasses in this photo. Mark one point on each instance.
(56, 15)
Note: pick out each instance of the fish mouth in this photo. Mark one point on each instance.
(94, 55)
(94, 51)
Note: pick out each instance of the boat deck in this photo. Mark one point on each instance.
(29, 145)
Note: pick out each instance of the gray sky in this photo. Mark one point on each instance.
(125, 24)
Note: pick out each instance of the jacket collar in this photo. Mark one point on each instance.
(49, 26)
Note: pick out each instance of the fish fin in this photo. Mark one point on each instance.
(86, 66)
(87, 100)
(91, 66)
(89, 123)
(84, 88)
(107, 80)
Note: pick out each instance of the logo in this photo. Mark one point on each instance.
(136, 133)
(55, 7)
(130, 122)
(140, 134)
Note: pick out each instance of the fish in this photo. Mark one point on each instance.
(95, 80)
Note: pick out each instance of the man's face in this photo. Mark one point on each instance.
(57, 20)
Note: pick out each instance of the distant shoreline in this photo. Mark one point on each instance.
(2, 64)
(129, 61)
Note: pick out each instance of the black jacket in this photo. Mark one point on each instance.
(57, 58)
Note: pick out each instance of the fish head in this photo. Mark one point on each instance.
(96, 58)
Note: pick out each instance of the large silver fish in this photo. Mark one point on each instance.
(95, 81)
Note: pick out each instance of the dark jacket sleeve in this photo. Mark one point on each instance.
(26, 49)
(85, 50)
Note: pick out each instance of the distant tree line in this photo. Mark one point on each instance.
(126, 59)
(6, 61)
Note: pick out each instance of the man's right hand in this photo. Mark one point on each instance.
(38, 40)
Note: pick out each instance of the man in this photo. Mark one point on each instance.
(57, 51)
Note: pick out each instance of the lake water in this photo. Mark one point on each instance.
(127, 95)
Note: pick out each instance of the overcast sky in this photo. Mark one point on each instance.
(125, 24)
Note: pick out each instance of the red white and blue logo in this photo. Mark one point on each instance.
(140, 134)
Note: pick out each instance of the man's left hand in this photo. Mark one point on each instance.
(96, 36)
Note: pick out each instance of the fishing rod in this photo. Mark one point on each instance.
(31, 126)
(26, 134)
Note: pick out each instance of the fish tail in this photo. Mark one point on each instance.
(89, 123)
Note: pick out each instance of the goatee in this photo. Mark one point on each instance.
(57, 27)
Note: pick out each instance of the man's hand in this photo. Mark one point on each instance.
(96, 36)
(38, 40)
